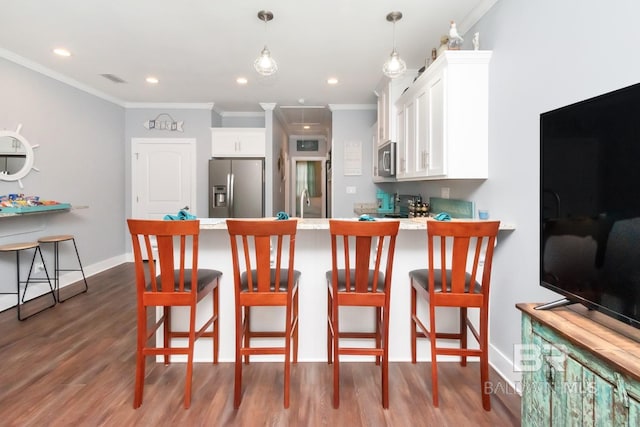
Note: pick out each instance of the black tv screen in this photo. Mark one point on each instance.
(590, 203)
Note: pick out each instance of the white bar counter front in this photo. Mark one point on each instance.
(312, 259)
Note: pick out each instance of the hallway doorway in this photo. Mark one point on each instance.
(308, 173)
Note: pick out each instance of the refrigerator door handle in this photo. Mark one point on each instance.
(230, 192)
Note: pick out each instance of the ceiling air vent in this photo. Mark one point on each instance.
(113, 78)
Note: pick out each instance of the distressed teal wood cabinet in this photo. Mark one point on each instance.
(577, 371)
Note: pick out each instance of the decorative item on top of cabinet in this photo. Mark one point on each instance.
(442, 120)
(476, 41)
(455, 39)
(238, 142)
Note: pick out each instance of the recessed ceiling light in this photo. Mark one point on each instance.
(152, 80)
(242, 80)
(62, 52)
(332, 81)
(307, 127)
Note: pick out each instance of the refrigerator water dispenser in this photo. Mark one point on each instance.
(220, 196)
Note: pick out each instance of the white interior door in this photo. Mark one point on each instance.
(163, 176)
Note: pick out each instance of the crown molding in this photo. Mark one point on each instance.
(338, 107)
(268, 106)
(241, 113)
(34, 66)
(172, 105)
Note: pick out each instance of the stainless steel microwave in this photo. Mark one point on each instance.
(387, 159)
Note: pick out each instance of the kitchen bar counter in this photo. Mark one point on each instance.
(323, 223)
(313, 259)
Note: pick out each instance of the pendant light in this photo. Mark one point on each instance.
(265, 65)
(394, 66)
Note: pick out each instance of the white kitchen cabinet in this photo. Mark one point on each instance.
(401, 146)
(388, 91)
(238, 142)
(444, 119)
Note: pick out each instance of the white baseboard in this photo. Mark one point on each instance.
(503, 365)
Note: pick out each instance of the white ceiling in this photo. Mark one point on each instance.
(197, 48)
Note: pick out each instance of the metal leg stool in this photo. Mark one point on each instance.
(17, 248)
(56, 240)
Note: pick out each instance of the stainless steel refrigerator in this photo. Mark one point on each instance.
(236, 188)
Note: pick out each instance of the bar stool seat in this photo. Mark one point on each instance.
(56, 240)
(17, 248)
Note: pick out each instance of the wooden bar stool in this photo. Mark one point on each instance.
(360, 276)
(262, 281)
(455, 279)
(56, 240)
(17, 248)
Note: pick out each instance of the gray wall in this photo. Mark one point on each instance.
(279, 145)
(351, 125)
(243, 120)
(81, 160)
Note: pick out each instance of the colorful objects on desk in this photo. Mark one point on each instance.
(365, 217)
(182, 215)
(282, 216)
(442, 216)
(22, 201)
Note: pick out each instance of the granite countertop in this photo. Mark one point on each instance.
(323, 223)
(310, 223)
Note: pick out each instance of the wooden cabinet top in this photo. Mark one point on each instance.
(608, 339)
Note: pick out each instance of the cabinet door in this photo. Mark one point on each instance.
(410, 138)
(401, 147)
(634, 412)
(422, 134)
(238, 142)
(436, 162)
(383, 112)
(536, 389)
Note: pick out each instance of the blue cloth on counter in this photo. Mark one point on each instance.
(282, 216)
(182, 215)
(442, 216)
(365, 217)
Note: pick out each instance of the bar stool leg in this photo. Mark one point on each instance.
(29, 280)
(57, 270)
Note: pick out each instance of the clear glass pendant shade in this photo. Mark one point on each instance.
(265, 65)
(394, 66)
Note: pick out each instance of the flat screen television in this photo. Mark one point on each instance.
(590, 203)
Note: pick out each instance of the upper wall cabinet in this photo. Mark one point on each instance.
(442, 120)
(388, 91)
(238, 142)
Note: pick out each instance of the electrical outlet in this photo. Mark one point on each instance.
(351, 190)
(39, 267)
(445, 192)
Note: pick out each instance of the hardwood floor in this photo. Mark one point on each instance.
(74, 365)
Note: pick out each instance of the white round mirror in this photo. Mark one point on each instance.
(16, 156)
